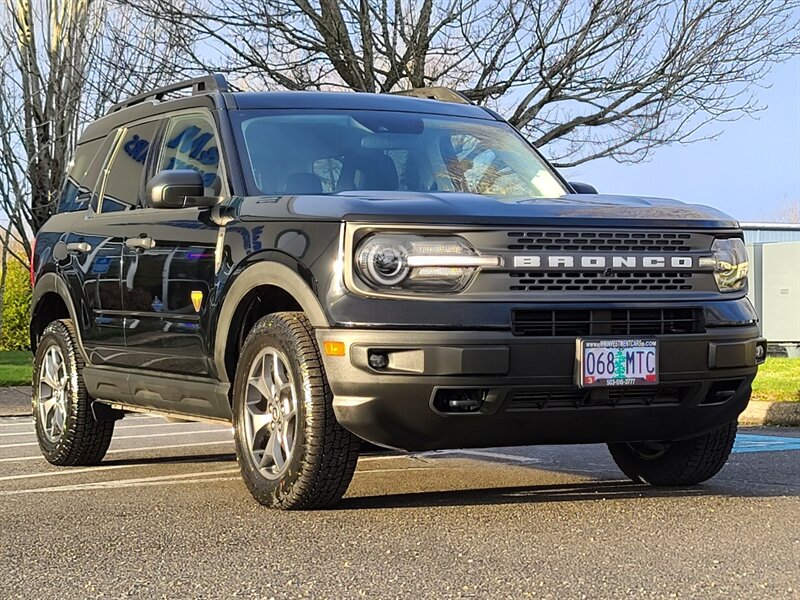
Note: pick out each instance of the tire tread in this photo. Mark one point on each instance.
(331, 451)
(686, 462)
(86, 440)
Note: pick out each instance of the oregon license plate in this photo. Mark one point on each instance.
(607, 363)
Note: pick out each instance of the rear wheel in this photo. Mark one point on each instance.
(66, 429)
(685, 462)
(292, 452)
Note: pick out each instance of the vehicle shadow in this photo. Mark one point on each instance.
(165, 460)
(533, 494)
(753, 476)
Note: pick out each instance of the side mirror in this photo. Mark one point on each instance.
(178, 189)
(582, 188)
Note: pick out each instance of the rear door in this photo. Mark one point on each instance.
(168, 259)
(85, 258)
(95, 241)
(93, 257)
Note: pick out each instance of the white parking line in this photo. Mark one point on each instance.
(163, 480)
(131, 437)
(490, 454)
(122, 450)
(73, 471)
(18, 433)
(30, 431)
(116, 429)
(398, 469)
(27, 422)
(118, 483)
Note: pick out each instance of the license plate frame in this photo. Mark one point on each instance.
(623, 348)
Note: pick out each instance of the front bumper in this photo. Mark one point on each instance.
(529, 390)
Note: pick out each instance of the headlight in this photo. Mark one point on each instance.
(418, 263)
(730, 264)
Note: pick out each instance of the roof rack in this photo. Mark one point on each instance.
(442, 94)
(215, 82)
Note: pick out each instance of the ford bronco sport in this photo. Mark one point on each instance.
(325, 268)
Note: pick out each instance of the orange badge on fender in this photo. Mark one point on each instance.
(197, 299)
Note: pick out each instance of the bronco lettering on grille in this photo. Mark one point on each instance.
(601, 262)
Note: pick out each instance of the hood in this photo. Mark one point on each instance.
(473, 209)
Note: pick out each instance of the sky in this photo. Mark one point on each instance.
(749, 171)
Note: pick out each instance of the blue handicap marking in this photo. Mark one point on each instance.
(746, 442)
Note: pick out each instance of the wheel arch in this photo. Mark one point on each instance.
(278, 288)
(51, 301)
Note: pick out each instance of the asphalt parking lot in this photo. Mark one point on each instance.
(166, 515)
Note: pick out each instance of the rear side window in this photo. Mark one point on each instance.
(77, 189)
(120, 187)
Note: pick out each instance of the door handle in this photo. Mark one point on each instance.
(140, 243)
(78, 247)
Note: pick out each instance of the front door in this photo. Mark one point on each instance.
(168, 270)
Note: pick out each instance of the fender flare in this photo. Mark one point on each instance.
(265, 273)
(50, 283)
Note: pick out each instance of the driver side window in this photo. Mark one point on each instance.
(190, 142)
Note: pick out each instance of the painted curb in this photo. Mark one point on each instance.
(782, 414)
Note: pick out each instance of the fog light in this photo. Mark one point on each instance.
(761, 352)
(378, 360)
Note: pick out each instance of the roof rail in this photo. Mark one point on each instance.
(442, 94)
(215, 82)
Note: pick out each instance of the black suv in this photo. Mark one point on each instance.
(326, 268)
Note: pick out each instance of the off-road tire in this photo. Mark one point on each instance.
(681, 463)
(84, 440)
(325, 454)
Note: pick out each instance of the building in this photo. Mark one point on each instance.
(774, 250)
(764, 233)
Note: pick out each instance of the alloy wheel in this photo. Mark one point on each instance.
(270, 413)
(53, 393)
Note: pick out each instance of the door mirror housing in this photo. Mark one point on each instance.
(178, 188)
(582, 188)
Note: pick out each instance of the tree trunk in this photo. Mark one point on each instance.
(3, 275)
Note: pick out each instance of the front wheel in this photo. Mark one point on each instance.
(686, 462)
(292, 452)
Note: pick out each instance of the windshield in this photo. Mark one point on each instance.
(325, 152)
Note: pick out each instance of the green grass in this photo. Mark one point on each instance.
(15, 368)
(778, 380)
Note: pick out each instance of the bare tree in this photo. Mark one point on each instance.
(62, 62)
(789, 212)
(585, 78)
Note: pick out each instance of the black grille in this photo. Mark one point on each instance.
(566, 398)
(590, 241)
(565, 281)
(618, 321)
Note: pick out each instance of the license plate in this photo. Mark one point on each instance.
(610, 363)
